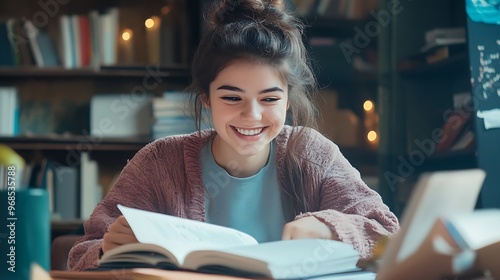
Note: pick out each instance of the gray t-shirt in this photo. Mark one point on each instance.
(251, 204)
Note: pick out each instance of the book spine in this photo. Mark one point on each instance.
(66, 42)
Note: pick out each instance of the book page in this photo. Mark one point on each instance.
(181, 236)
(284, 259)
(477, 229)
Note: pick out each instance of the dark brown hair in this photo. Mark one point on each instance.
(263, 32)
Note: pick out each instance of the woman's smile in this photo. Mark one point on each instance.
(248, 132)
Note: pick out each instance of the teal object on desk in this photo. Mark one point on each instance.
(24, 232)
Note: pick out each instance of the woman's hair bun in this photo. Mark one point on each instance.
(230, 11)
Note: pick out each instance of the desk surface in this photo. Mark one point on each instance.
(158, 274)
(137, 273)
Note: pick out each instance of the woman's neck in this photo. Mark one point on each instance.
(237, 165)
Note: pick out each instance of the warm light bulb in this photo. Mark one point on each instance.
(368, 105)
(372, 136)
(127, 34)
(149, 23)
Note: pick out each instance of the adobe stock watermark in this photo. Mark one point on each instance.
(372, 29)
(11, 218)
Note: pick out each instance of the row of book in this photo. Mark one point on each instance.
(95, 39)
(20, 116)
(111, 115)
(335, 9)
(89, 39)
(82, 41)
(440, 44)
(126, 115)
(73, 189)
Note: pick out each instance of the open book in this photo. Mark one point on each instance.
(175, 243)
(465, 245)
(423, 247)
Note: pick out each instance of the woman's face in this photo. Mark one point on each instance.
(248, 101)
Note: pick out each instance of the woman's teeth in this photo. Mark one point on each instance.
(249, 132)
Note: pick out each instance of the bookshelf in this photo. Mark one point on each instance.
(171, 73)
(61, 94)
(420, 98)
(416, 95)
(346, 73)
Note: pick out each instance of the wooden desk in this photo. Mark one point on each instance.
(139, 274)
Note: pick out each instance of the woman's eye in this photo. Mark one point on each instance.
(231, 98)
(270, 99)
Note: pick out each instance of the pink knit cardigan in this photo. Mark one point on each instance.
(165, 177)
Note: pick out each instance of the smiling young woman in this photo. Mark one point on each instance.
(246, 114)
(251, 172)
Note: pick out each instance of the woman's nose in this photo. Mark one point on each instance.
(252, 111)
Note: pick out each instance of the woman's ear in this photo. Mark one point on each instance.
(205, 101)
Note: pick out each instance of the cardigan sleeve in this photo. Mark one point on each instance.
(346, 204)
(136, 187)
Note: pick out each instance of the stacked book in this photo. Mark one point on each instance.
(442, 43)
(444, 37)
(171, 115)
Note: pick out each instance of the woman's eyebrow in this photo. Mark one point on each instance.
(233, 88)
(271, 90)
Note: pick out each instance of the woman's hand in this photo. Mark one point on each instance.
(307, 227)
(119, 233)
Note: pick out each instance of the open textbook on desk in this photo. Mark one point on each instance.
(175, 243)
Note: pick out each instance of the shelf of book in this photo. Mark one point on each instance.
(448, 67)
(174, 73)
(84, 143)
(465, 158)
